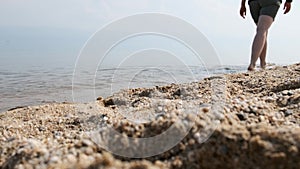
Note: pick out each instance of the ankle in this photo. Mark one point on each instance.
(263, 65)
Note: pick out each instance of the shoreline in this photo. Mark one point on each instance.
(58, 88)
(259, 126)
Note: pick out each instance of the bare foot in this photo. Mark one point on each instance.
(251, 68)
(263, 65)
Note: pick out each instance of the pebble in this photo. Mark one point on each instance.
(270, 99)
(177, 163)
(85, 161)
(288, 113)
(253, 109)
(87, 142)
(197, 135)
(205, 109)
(285, 92)
(105, 118)
(88, 151)
(293, 149)
(241, 116)
(261, 118)
(54, 159)
(71, 158)
(191, 142)
(219, 116)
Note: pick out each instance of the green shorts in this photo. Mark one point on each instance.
(264, 7)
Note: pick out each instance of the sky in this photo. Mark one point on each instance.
(54, 31)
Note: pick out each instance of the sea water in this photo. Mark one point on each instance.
(37, 85)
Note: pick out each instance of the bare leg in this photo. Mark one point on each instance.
(259, 42)
(262, 56)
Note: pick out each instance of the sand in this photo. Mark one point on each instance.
(244, 120)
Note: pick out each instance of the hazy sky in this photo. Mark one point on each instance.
(35, 29)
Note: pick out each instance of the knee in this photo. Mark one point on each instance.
(261, 31)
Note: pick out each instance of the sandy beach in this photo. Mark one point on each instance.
(257, 125)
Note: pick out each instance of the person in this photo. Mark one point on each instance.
(263, 13)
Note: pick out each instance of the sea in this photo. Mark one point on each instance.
(37, 66)
(42, 84)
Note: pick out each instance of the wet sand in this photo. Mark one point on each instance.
(244, 120)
